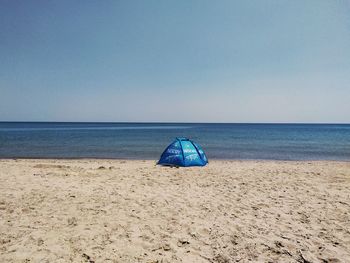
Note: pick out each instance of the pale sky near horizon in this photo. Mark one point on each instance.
(175, 61)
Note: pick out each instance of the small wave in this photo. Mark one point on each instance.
(23, 129)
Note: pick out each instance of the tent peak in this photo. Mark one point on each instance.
(182, 139)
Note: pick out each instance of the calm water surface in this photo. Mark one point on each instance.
(148, 140)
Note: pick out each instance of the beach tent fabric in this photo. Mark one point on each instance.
(183, 152)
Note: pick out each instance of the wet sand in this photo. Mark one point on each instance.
(134, 211)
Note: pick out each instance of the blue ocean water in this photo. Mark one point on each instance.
(148, 140)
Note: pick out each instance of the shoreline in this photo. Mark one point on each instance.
(155, 160)
(55, 210)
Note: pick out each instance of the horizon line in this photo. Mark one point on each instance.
(174, 122)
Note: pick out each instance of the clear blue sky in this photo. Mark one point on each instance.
(182, 61)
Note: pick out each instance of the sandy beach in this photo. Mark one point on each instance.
(134, 211)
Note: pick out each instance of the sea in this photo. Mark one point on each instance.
(238, 141)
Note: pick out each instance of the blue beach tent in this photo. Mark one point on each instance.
(183, 152)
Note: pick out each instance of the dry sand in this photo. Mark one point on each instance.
(134, 211)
